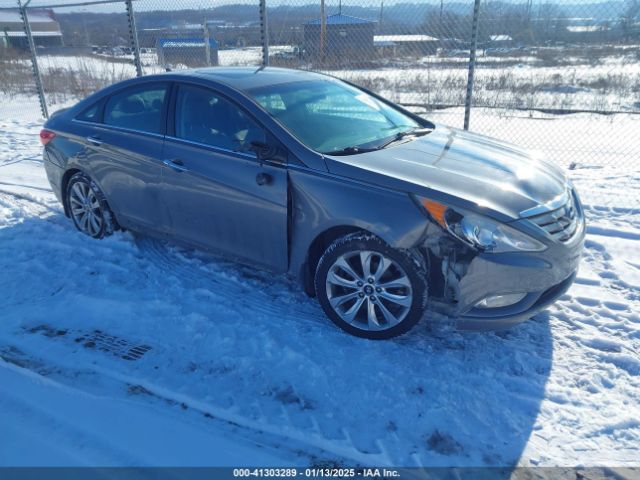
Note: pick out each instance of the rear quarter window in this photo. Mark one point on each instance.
(91, 114)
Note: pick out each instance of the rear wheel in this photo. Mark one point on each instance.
(88, 208)
(369, 289)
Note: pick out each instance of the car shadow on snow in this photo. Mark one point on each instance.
(251, 342)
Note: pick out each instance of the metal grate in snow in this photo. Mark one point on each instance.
(120, 347)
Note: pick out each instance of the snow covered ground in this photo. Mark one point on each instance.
(131, 351)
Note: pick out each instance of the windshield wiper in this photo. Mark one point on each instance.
(354, 150)
(414, 132)
(349, 151)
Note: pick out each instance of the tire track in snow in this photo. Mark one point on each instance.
(31, 411)
(278, 298)
(112, 394)
(259, 294)
(273, 403)
(11, 200)
(254, 291)
(311, 441)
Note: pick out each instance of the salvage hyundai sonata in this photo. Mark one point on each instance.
(381, 214)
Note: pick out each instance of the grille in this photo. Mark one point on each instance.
(561, 223)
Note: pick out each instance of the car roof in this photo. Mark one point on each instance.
(246, 78)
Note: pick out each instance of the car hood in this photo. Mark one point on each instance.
(460, 168)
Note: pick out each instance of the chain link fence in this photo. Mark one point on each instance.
(557, 76)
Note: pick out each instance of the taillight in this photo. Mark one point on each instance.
(46, 136)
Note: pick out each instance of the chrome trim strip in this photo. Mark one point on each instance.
(212, 147)
(561, 219)
(550, 206)
(166, 137)
(118, 129)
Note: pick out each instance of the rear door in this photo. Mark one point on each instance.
(218, 194)
(124, 151)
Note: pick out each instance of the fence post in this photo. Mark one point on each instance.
(472, 63)
(34, 58)
(133, 38)
(207, 45)
(264, 32)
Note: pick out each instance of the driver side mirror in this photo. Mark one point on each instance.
(265, 151)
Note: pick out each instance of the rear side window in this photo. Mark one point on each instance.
(137, 108)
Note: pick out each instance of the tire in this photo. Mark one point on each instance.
(379, 304)
(88, 207)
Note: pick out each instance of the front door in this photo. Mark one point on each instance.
(218, 194)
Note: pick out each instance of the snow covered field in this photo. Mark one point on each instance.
(550, 78)
(131, 351)
(610, 84)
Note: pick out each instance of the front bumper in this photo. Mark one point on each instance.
(478, 319)
(543, 277)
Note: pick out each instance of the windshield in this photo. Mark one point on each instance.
(330, 116)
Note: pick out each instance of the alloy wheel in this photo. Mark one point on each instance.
(85, 208)
(369, 290)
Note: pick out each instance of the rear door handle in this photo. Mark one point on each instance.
(94, 141)
(176, 165)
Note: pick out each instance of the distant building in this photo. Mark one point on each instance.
(44, 29)
(189, 44)
(191, 52)
(406, 44)
(345, 35)
(148, 37)
(591, 30)
(501, 40)
(225, 33)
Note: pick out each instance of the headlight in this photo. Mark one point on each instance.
(481, 232)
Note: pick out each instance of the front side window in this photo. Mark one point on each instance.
(205, 117)
(329, 116)
(137, 108)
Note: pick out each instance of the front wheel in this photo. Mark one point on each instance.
(369, 289)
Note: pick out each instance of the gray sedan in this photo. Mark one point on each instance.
(378, 212)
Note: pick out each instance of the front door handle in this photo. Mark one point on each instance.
(263, 179)
(95, 141)
(176, 165)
